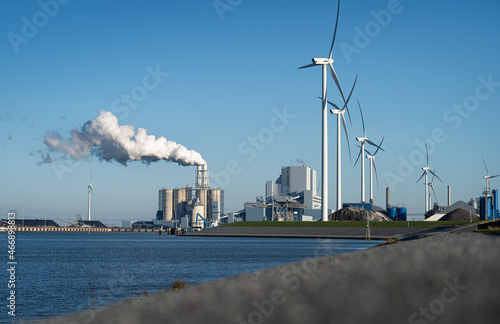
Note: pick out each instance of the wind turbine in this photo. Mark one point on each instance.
(431, 185)
(427, 170)
(324, 62)
(340, 113)
(363, 140)
(486, 191)
(373, 166)
(90, 189)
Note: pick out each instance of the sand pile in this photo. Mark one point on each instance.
(459, 214)
(357, 214)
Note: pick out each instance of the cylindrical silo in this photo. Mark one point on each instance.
(180, 203)
(214, 204)
(201, 194)
(168, 205)
(195, 220)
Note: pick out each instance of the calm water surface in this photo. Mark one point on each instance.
(57, 272)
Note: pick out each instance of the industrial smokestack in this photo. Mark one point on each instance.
(449, 195)
(387, 196)
(201, 177)
(104, 138)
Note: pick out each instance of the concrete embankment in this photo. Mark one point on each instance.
(376, 233)
(445, 278)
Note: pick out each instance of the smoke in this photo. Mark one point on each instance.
(104, 138)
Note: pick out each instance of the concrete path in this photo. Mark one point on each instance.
(446, 278)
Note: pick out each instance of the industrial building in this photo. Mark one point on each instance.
(190, 206)
(293, 196)
(298, 182)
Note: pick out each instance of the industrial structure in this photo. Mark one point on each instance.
(188, 206)
(292, 196)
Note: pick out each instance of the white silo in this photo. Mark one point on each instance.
(201, 195)
(213, 209)
(180, 199)
(195, 221)
(168, 205)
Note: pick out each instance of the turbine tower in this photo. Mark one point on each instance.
(427, 170)
(363, 140)
(90, 189)
(340, 113)
(432, 191)
(324, 62)
(373, 166)
(487, 177)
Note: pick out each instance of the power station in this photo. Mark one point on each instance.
(191, 207)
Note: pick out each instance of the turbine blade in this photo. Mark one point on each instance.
(348, 98)
(435, 175)
(379, 147)
(375, 168)
(427, 154)
(434, 192)
(420, 177)
(347, 137)
(358, 157)
(498, 175)
(337, 82)
(307, 66)
(335, 31)
(362, 119)
(487, 172)
(373, 144)
(333, 105)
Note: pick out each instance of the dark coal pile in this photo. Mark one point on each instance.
(357, 214)
(459, 214)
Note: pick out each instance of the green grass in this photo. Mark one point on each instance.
(350, 224)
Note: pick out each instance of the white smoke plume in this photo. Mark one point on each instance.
(104, 138)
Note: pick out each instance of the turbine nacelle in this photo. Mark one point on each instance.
(361, 139)
(337, 111)
(322, 61)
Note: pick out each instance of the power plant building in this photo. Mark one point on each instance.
(298, 182)
(178, 203)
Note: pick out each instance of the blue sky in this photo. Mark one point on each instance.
(224, 76)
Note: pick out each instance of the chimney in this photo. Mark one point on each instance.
(449, 195)
(201, 177)
(387, 196)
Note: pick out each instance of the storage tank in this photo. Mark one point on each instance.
(201, 194)
(214, 204)
(168, 205)
(401, 213)
(391, 211)
(180, 199)
(197, 209)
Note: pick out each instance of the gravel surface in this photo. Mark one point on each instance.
(459, 214)
(445, 278)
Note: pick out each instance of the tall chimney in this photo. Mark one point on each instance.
(387, 196)
(449, 195)
(201, 177)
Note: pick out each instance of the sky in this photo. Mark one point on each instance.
(222, 79)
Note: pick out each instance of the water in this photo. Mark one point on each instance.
(57, 272)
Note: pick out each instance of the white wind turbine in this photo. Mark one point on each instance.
(427, 170)
(340, 113)
(432, 191)
(487, 177)
(373, 166)
(363, 140)
(324, 62)
(90, 189)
